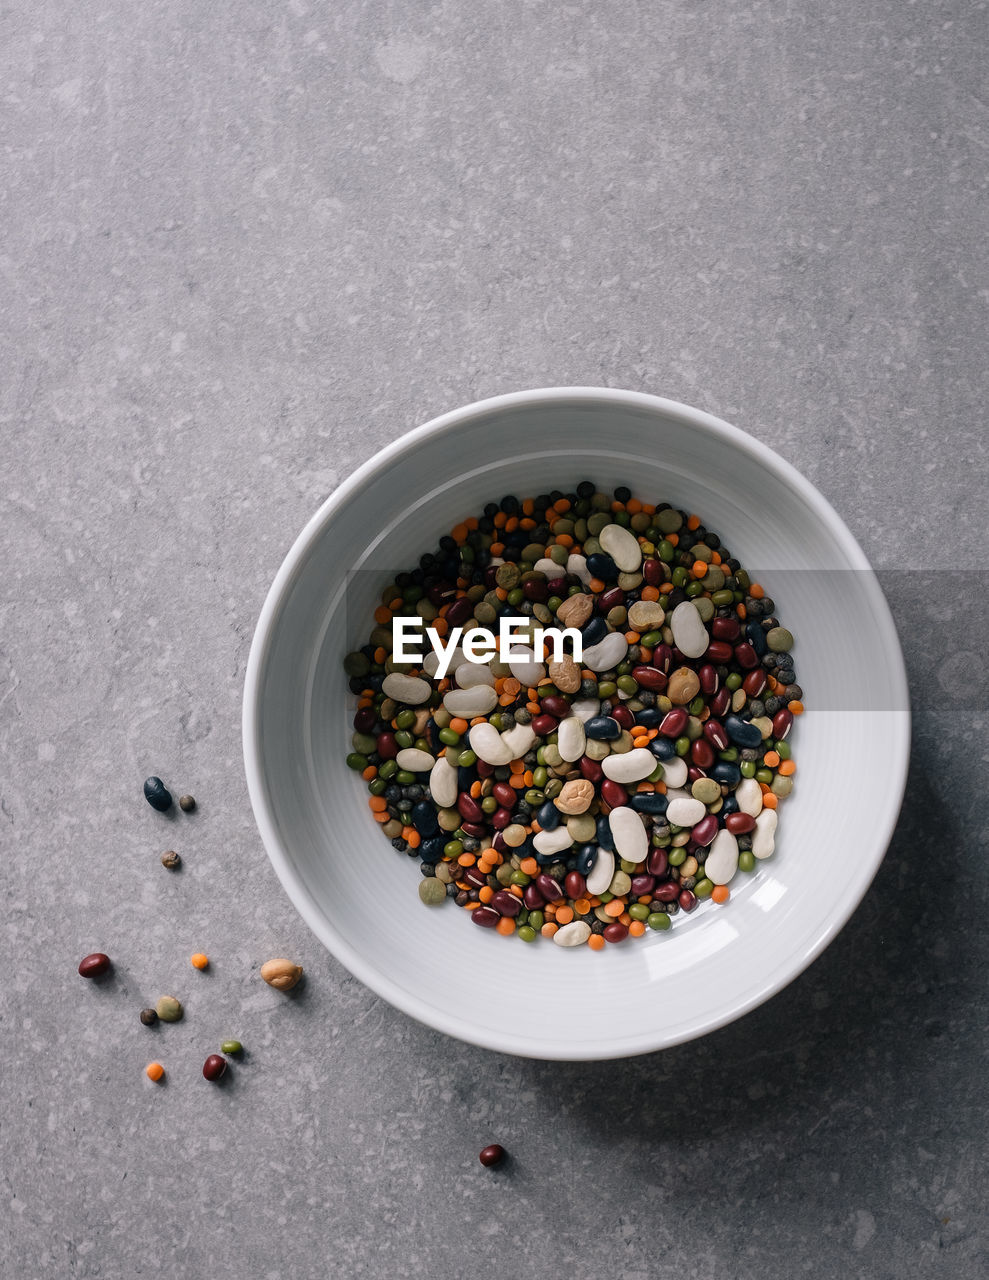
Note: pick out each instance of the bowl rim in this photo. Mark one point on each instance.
(290, 568)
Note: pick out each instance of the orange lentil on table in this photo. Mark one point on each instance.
(693, 686)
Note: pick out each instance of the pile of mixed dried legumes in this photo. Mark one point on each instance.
(583, 803)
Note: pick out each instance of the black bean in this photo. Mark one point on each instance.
(157, 794)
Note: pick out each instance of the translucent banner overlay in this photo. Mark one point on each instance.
(844, 656)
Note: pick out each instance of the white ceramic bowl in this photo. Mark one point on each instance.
(539, 1000)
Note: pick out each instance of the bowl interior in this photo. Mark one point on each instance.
(359, 896)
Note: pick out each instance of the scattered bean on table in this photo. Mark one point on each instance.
(587, 802)
(95, 965)
(169, 1009)
(157, 794)
(281, 974)
(214, 1067)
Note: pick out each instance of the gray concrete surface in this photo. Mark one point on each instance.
(243, 246)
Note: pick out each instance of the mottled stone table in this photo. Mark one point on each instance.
(245, 244)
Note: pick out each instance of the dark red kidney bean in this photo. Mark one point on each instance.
(556, 586)
(613, 794)
(532, 898)
(214, 1067)
(622, 716)
(673, 723)
(459, 612)
(615, 932)
(94, 966)
(718, 651)
(484, 770)
(364, 719)
(504, 794)
(441, 593)
(652, 572)
(534, 589)
(486, 917)
(544, 725)
(687, 900)
(649, 678)
(705, 831)
(498, 843)
(554, 706)
(667, 892)
(720, 702)
(590, 769)
(695, 772)
(754, 682)
(490, 577)
(575, 884)
(608, 600)
(386, 746)
(725, 629)
(477, 830)
(662, 657)
(469, 808)
(505, 903)
(739, 823)
(708, 677)
(641, 885)
(702, 753)
(746, 656)
(492, 1155)
(475, 878)
(658, 862)
(714, 731)
(782, 723)
(501, 818)
(551, 889)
